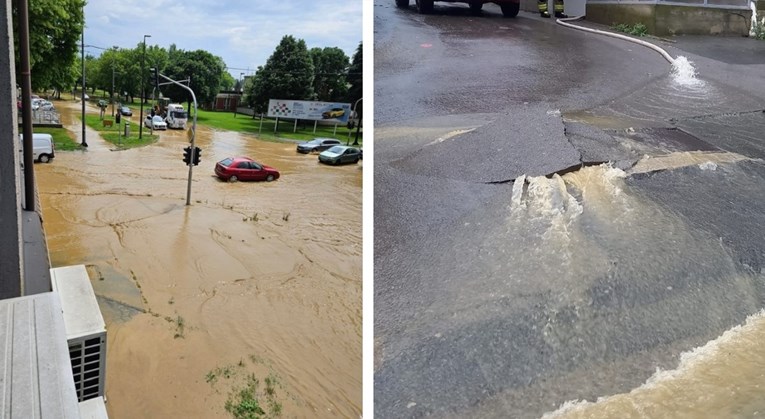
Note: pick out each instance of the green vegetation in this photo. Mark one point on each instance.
(244, 404)
(180, 326)
(247, 399)
(115, 134)
(637, 29)
(759, 31)
(55, 27)
(61, 138)
(265, 131)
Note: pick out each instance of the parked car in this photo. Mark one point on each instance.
(317, 144)
(244, 168)
(509, 8)
(340, 154)
(43, 149)
(333, 113)
(45, 105)
(154, 122)
(125, 111)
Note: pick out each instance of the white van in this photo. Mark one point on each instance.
(43, 148)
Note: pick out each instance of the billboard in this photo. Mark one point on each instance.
(314, 111)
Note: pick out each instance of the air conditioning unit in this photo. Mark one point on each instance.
(35, 377)
(85, 330)
(93, 409)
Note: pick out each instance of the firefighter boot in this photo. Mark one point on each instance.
(558, 8)
(543, 8)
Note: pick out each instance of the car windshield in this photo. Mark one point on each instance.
(336, 149)
(179, 114)
(157, 119)
(225, 162)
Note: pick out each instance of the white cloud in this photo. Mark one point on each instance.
(243, 33)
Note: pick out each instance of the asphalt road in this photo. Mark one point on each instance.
(478, 313)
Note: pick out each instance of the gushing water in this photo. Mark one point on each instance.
(684, 74)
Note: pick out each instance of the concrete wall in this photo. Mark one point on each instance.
(11, 251)
(663, 20)
(677, 20)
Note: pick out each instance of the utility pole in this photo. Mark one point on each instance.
(143, 89)
(112, 95)
(84, 143)
(358, 125)
(26, 108)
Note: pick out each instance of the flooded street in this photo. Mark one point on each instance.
(252, 278)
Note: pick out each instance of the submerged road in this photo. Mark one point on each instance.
(496, 297)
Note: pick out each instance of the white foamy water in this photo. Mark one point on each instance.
(588, 237)
(723, 379)
(684, 74)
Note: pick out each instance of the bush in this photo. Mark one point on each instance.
(637, 29)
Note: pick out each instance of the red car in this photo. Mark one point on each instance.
(244, 168)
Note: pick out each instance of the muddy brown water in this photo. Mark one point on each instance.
(251, 278)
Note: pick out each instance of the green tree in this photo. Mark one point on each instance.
(288, 74)
(204, 69)
(355, 78)
(55, 28)
(330, 70)
(227, 81)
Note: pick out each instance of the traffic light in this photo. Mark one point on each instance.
(187, 155)
(154, 77)
(197, 153)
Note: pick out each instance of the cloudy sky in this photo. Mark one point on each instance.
(242, 32)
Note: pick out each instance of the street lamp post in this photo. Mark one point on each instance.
(111, 97)
(358, 124)
(143, 89)
(82, 95)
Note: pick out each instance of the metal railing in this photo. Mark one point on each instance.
(44, 118)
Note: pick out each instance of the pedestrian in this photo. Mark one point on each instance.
(557, 7)
(117, 118)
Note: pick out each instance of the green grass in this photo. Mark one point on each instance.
(224, 121)
(246, 124)
(61, 138)
(637, 29)
(114, 134)
(245, 403)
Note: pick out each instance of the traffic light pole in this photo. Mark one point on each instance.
(193, 131)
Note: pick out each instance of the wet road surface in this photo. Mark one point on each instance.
(253, 277)
(500, 292)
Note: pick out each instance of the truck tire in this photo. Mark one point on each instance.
(402, 3)
(44, 158)
(424, 6)
(510, 9)
(475, 8)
